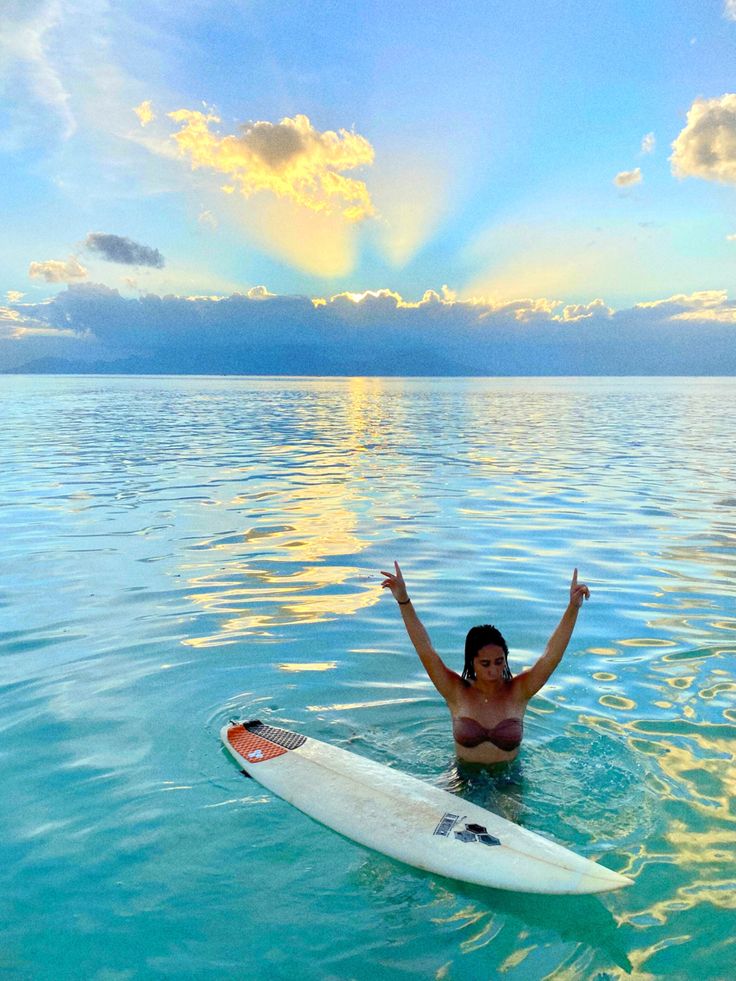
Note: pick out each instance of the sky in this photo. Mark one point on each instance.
(543, 186)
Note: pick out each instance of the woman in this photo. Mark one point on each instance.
(487, 703)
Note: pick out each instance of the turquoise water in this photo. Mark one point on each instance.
(177, 551)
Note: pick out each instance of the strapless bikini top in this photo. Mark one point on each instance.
(506, 735)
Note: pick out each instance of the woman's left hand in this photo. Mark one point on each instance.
(578, 591)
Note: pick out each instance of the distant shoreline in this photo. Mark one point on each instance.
(26, 372)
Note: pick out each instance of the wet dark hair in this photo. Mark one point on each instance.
(479, 637)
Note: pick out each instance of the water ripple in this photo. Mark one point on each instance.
(177, 551)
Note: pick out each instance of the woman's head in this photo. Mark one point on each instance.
(479, 637)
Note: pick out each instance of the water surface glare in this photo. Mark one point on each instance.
(178, 551)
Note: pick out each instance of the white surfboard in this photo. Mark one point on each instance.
(407, 819)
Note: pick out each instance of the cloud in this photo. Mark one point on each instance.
(116, 248)
(259, 293)
(729, 238)
(144, 112)
(706, 147)
(686, 301)
(11, 322)
(208, 219)
(290, 159)
(57, 271)
(703, 306)
(648, 142)
(27, 28)
(584, 311)
(16, 324)
(627, 178)
(729, 9)
(14, 296)
(379, 332)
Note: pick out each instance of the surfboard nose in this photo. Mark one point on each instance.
(605, 880)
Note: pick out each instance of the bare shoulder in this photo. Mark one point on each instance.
(521, 685)
(452, 688)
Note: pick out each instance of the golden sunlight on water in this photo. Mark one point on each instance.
(690, 768)
(272, 575)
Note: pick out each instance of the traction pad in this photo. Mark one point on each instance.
(256, 742)
(282, 737)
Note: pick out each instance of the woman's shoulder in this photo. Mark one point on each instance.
(458, 686)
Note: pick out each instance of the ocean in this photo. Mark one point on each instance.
(178, 551)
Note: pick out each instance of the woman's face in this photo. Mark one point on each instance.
(489, 663)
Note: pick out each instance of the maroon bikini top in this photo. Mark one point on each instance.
(506, 735)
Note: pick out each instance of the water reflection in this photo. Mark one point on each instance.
(517, 926)
(689, 757)
(275, 574)
(246, 519)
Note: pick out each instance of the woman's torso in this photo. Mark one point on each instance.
(487, 730)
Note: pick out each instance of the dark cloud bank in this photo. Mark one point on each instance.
(94, 329)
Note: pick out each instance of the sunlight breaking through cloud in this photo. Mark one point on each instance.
(290, 159)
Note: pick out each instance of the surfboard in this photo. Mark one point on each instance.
(407, 819)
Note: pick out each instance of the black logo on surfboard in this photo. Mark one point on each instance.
(471, 832)
(446, 825)
(476, 832)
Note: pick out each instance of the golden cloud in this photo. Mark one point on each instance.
(720, 315)
(259, 293)
(583, 311)
(706, 147)
(701, 300)
(290, 159)
(521, 310)
(11, 322)
(56, 271)
(627, 178)
(144, 112)
(390, 296)
(705, 305)
(16, 324)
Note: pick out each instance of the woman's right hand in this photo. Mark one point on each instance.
(395, 582)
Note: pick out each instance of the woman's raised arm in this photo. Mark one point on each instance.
(445, 681)
(529, 682)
